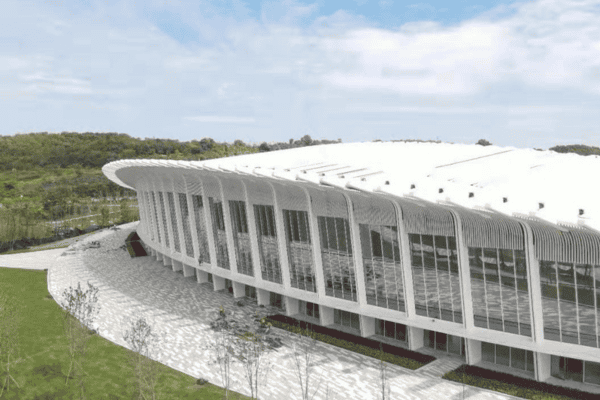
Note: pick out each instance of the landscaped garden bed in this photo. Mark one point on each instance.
(512, 385)
(368, 347)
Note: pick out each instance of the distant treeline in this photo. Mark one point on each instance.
(580, 149)
(93, 150)
(306, 140)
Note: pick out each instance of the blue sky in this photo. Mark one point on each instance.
(524, 74)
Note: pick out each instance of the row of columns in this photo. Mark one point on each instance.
(415, 335)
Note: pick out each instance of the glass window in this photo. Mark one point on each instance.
(276, 300)
(338, 263)
(241, 237)
(382, 267)
(517, 358)
(267, 243)
(185, 220)
(299, 249)
(498, 301)
(502, 355)
(401, 332)
(592, 372)
(220, 237)
(488, 352)
(250, 291)
(201, 229)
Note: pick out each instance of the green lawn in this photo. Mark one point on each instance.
(40, 373)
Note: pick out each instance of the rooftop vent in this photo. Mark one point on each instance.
(541, 205)
(471, 194)
(441, 190)
(412, 186)
(505, 199)
(387, 182)
(581, 212)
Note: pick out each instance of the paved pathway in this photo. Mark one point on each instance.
(181, 309)
(33, 260)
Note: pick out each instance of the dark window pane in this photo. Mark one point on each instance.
(488, 352)
(592, 372)
(502, 355)
(517, 358)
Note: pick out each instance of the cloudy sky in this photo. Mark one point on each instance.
(523, 74)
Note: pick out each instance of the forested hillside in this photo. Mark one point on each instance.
(57, 177)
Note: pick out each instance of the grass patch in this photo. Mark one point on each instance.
(33, 249)
(44, 362)
(368, 347)
(512, 385)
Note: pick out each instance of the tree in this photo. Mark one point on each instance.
(247, 344)
(251, 350)
(80, 310)
(10, 317)
(304, 355)
(483, 142)
(144, 343)
(125, 211)
(306, 140)
(222, 348)
(104, 215)
(264, 147)
(383, 378)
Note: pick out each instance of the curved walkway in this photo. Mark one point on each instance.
(181, 309)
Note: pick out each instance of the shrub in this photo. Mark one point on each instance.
(483, 142)
(201, 381)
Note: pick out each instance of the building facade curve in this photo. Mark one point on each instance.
(409, 243)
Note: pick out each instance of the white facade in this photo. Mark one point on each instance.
(496, 246)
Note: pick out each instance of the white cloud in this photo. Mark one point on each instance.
(221, 119)
(545, 44)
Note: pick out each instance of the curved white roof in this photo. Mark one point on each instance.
(506, 179)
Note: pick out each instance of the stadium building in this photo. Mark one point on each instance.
(488, 253)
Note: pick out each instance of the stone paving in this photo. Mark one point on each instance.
(181, 309)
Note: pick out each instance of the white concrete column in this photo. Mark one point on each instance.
(201, 276)
(282, 244)
(188, 270)
(356, 254)
(167, 261)
(159, 256)
(218, 283)
(210, 238)
(143, 225)
(160, 228)
(291, 306)
(367, 326)
(535, 289)
(407, 277)
(316, 247)
(326, 315)
(415, 338)
(177, 265)
(164, 188)
(543, 366)
(263, 297)
(464, 273)
(179, 219)
(239, 289)
(473, 351)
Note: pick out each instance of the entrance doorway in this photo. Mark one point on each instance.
(443, 342)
